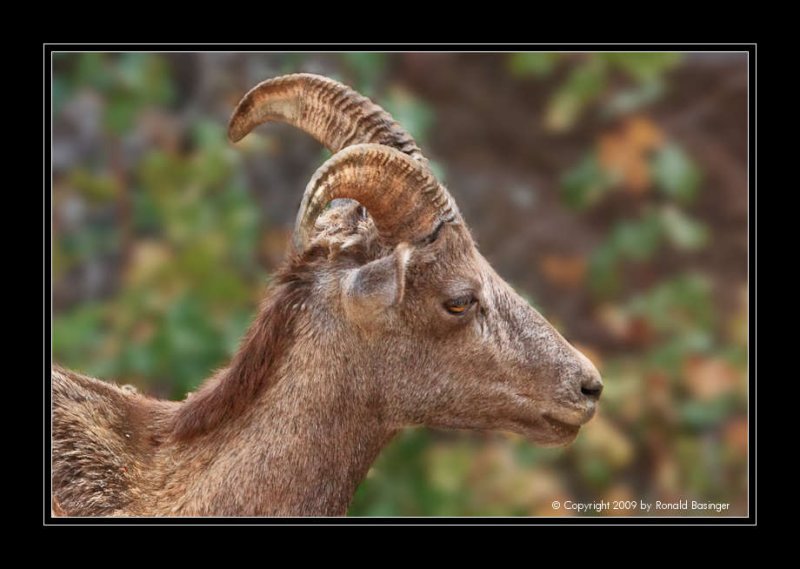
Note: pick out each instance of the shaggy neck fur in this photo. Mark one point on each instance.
(300, 448)
(264, 437)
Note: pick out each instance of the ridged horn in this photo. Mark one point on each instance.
(331, 112)
(403, 197)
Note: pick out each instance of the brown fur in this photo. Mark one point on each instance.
(228, 393)
(356, 340)
(336, 362)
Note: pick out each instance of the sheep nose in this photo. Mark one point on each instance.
(591, 385)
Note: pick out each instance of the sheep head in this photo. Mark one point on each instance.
(432, 334)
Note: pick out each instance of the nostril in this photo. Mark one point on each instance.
(592, 387)
(592, 392)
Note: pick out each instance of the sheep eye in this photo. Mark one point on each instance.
(459, 305)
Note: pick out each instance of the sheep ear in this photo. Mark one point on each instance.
(378, 285)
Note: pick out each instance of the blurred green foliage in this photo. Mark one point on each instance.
(127, 83)
(587, 81)
(639, 240)
(675, 174)
(184, 237)
(190, 282)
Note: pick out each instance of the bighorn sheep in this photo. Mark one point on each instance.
(384, 315)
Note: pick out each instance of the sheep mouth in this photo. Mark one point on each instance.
(571, 416)
(549, 423)
(547, 431)
(559, 414)
(561, 427)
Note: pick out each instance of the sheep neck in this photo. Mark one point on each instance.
(301, 448)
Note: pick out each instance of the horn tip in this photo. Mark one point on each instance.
(236, 132)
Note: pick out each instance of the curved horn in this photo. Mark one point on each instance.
(404, 199)
(332, 113)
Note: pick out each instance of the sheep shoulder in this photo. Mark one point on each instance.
(103, 439)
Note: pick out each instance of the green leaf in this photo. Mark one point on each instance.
(630, 100)
(682, 231)
(128, 83)
(637, 240)
(92, 71)
(584, 84)
(596, 471)
(675, 174)
(604, 271)
(77, 335)
(209, 135)
(368, 69)
(585, 184)
(120, 113)
(146, 76)
(643, 66)
(701, 414)
(670, 355)
(538, 64)
(147, 217)
(678, 305)
(414, 114)
(96, 188)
